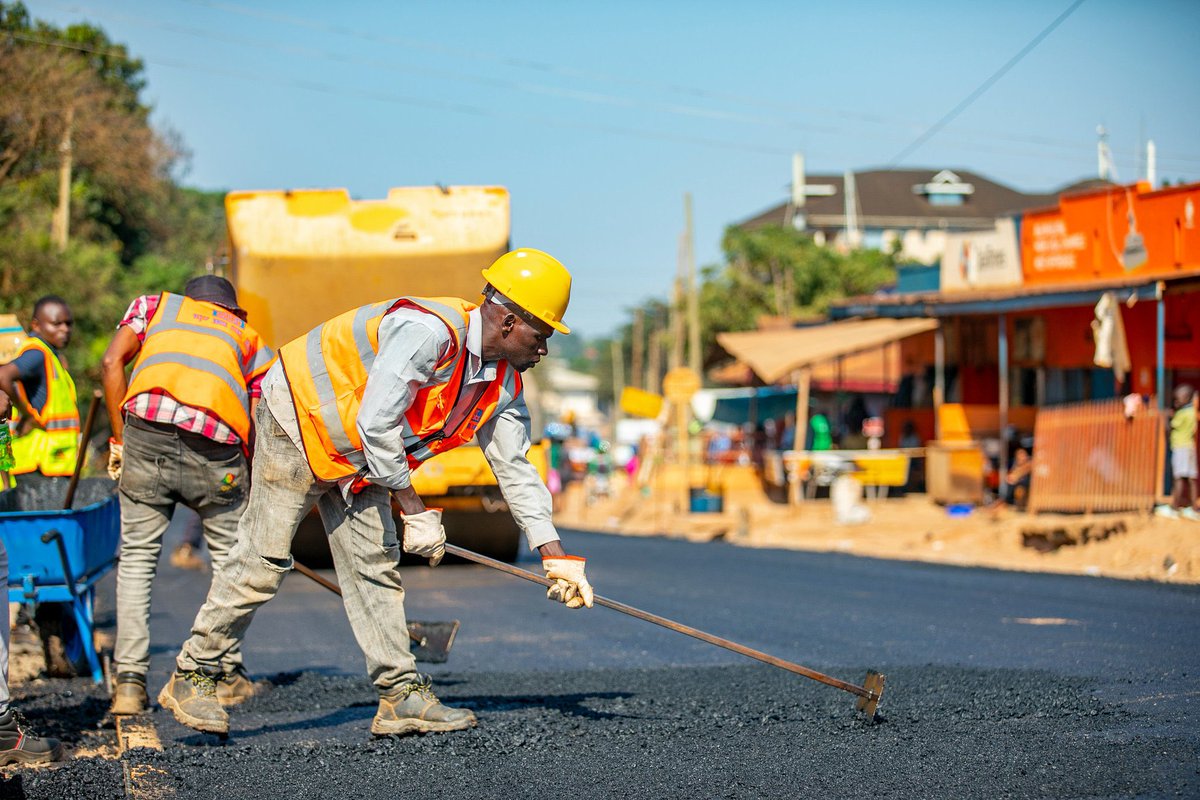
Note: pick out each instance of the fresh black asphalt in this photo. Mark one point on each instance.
(999, 685)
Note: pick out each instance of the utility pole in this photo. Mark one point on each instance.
(639, 342)
(654, 362)
(60, 227)
(693, 290)
(618, 372)
(675, 357)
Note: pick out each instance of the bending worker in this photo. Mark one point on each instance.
(45, 414)
(179, 427)
(353, 407)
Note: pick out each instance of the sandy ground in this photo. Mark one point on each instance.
(1127, 546)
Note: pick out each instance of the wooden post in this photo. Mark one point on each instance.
(639, 343)
(939, 377)
(682, 409)
(654, 362)
(618, 359)
(675, 354)
(1003, 347)
(803, 382)
(695, 357)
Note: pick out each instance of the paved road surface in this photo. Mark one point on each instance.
(999, 684)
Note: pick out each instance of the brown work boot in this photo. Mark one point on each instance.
(130, 695)
(413, 708)
(185, 557)
(20, 745)
(192, 697)
(235, 688)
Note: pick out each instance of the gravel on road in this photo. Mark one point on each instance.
(729, 731)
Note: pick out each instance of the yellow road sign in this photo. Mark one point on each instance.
(680, 384)
(637, 403)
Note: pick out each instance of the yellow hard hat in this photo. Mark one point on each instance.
(535, 281)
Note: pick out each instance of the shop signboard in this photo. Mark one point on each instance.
(1112, 233)
(982, 259)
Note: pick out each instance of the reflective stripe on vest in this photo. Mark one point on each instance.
(195, 352)
(53, 448)
(327, 373)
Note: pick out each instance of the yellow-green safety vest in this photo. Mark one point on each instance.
(53, 447)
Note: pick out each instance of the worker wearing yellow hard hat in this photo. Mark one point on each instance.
(349, 411)
(535, 281)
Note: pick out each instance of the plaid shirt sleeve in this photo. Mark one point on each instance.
(137, 318)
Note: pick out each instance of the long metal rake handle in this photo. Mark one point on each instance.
(868, 695)
(333, 587)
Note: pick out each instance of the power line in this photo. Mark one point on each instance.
(987, 84)
(553, 69)
(460, 108)
(520, 86)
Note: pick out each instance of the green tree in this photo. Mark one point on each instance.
(781, 272)
(133, 229)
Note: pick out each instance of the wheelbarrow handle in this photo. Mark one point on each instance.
(56, 537)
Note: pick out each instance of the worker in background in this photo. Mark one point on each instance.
(180, 425)
(45, 414)
(18, 743)
(349, 411)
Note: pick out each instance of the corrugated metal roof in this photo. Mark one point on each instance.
(1013, 298)
(775, 354)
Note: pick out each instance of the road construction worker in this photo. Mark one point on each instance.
(180, 424)
(349, 411)
(45, 414)
(18, 743)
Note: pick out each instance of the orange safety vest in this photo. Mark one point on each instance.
(202, 355)
(327, 371)
(53, 447)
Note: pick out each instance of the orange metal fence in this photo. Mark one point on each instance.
(1090, 457)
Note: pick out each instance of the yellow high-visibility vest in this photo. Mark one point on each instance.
(53, 447)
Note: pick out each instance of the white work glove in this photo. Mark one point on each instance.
(424, 535)
(116, 459)
(571, 586)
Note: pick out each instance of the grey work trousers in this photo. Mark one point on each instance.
(366, 553)
(165, 466)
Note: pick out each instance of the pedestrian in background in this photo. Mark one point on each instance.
(1183, 456)
(180, 425)
(46, 417)
(18, 742)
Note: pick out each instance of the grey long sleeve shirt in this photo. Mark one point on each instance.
(411, 343)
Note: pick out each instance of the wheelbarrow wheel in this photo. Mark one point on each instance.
(62, 641)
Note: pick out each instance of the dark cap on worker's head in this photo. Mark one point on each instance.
(213, 289)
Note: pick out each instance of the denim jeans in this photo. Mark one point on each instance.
(165, 466)
(4, 632)
(362, 538)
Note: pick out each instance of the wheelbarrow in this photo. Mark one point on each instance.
(55, 559)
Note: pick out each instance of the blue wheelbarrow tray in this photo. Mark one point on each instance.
(56, 557)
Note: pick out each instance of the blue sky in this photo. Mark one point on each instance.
(598, 117)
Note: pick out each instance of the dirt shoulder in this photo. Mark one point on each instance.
(913, 528)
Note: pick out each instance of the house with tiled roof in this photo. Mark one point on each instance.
(915, 207)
